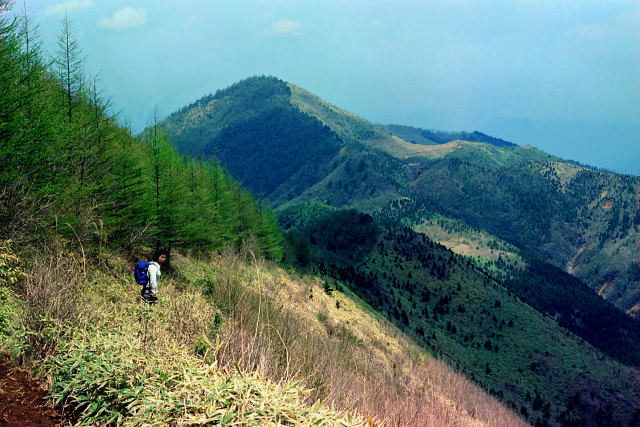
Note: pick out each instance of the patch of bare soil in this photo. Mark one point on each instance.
(634, 311)
(608, 204)
(22, 400)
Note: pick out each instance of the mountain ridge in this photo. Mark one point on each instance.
(433, 137)
(518, 194)
(484, 184)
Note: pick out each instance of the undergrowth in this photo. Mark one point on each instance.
(230, 342)
(103, 376)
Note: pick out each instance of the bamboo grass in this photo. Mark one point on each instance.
(108, 374)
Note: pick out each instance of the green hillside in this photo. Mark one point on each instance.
(459, 312)
(540, 210)
(265, 144)
(233, 339)
(511, 191)
(580, 219)
(349, 127)
(545, 287)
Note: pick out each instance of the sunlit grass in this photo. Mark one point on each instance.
(236, 343)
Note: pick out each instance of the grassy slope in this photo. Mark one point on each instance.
(431, 137)
(477, 152)
(351, 128)
(487, 251)
(410, 134)
(229, 342)
(361, 175)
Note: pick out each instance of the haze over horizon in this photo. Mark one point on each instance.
(561, 76)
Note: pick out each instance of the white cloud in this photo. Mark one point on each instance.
(67, 6)
(127, 17)
(284, 26)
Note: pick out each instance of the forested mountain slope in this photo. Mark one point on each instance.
(254, 131)
(456, 310)
(81, 200)
(578, 218)
(68, 169)
(515, 193)
(587, 218)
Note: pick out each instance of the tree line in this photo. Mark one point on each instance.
(67, 167)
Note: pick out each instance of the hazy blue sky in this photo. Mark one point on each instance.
(561, 75)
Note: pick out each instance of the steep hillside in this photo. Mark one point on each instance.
(582, 220)
(543, 286)
(79, 196)
(229, 341)
(594, 241)
(77, 193)
(278, 150)
(456, 310)
(234, 339)
(534, 206)
(577, 218)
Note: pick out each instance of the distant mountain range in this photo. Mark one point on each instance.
(500, 223)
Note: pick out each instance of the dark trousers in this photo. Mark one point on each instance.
(147, 296)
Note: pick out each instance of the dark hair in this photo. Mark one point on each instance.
(159, 252)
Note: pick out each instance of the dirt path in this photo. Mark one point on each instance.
(22, 399)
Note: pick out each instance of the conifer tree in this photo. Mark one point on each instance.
(25, 121)
(9, 95)
(69, 63)
(221, 187)
(203, 225)
(171, 218)
(92, 181)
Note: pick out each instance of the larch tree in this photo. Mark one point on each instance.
(69, 63)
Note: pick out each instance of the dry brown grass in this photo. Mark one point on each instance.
(402, 149)
(346, 356)
(250, 319)
(109, 358)
(53, 292)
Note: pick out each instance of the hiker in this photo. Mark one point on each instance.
(148, 273)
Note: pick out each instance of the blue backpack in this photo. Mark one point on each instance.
(141, 273)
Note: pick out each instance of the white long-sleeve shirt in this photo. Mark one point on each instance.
(154, 276)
